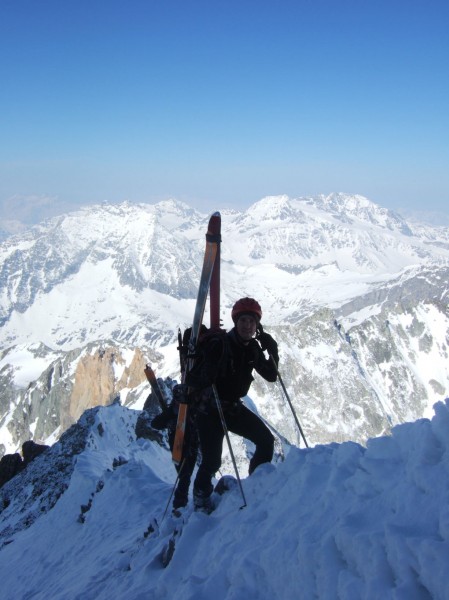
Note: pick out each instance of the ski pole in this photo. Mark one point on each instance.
(289, 401)
(226, 432)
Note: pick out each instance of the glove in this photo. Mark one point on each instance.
(164, 419)
(267, 342)
(253, 353)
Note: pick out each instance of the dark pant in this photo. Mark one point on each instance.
(184, 470)
(240, 421)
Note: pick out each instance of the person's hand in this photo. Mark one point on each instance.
(266, 341)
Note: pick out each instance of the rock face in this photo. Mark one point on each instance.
(100, 377)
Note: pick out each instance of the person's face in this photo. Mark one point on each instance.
(246, 327)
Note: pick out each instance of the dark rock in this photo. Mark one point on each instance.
(30, 450)
(10, 465)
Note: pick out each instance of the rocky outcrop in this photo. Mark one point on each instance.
(12, 464)
(99, 378)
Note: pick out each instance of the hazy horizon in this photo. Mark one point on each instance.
(222, 104)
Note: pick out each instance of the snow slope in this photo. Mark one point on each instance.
(334, 521)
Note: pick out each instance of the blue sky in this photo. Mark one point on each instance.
(219, 104)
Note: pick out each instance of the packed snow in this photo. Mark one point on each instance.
(332, 521)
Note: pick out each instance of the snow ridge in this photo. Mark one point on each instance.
(335, 521)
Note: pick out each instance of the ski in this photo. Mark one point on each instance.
(210, 265)
(151, 376)
(214, 294)
(209, 285)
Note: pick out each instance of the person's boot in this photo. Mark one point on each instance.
(202, 501)
(180, 500)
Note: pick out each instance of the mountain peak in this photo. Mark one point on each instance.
(174, 206)
(272, 207)
(346, 208)
(355, 206)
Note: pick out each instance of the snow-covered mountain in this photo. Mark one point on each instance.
(68, 280)
(355, 295)
(85, 520)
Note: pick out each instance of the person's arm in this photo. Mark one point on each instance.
(265, 366)
(164, 419)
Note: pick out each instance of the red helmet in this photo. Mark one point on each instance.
(246, 305)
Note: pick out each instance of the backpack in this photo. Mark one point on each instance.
(199, 377)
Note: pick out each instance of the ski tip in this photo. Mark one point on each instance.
(216, 214)
(214, 228)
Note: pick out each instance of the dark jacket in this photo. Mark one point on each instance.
(229, 363)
